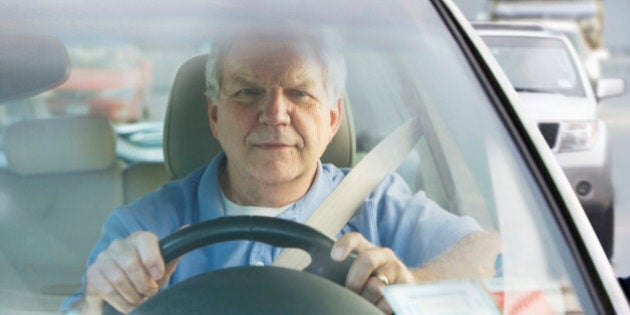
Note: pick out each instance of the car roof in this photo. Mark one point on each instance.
(556, 9)
(516, 29)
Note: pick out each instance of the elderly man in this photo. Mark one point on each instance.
(274, 104)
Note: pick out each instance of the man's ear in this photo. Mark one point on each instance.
(336, 115)
(213, 116)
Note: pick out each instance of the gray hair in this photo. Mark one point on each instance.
(325, 45)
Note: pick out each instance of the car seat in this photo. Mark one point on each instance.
(61, 181)
(188, 140)
(141, 178)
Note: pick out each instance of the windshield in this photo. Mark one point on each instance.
(537, 65)
(59, 181)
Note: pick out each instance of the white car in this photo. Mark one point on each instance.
(553, 85)
(589, 14)
(592, 57)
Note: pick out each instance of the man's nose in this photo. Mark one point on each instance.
(275, 109)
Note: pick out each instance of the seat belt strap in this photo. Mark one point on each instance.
(337, 209)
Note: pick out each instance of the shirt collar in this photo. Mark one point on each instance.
(209, 194)
(212, 207)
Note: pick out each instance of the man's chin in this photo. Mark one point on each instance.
(272, 176)
(277, 173)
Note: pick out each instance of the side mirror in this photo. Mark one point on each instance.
(609, 87)
(31, 64)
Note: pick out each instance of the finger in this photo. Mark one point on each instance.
(348, 243)
(372, 290)
(116, 278)
(395, 271)
(100, 289)
(148, 248)
(170, 269)
(115, 299)
(131, 263)
(384, 306)
(364, 266)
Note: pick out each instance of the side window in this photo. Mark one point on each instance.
(371, 100)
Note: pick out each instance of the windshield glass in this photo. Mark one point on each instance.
(537, 65)
(63, 172)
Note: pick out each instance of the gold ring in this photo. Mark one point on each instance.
(383, 279)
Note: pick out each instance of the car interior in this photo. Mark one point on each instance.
(83, 170)
(60, 171)
(60, 177)
(83, 182)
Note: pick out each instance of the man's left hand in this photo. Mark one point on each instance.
(373, 268)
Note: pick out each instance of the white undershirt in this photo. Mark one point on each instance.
(232, 209)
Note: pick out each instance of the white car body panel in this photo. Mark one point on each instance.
(557, 107)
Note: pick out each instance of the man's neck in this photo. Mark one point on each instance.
(255, 193)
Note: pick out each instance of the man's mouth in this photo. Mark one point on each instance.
(273, 140)
(273, 145)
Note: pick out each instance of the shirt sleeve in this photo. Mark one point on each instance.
(121, 223)
(115, 227)
(412, 225)
(161, 212)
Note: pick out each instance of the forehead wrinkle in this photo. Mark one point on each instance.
(266, 74)
(241, 79)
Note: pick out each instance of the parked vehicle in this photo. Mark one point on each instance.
(580, 20)
(111, 82)
(588, 14)
(551, 81)
(592, 58)
(478, 155)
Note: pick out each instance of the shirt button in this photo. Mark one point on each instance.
(260, 263)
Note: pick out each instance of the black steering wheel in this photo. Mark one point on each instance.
(259, 290)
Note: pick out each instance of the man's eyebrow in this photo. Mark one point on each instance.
(241, 80)
(304, 84)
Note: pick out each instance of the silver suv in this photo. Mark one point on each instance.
(550, 79)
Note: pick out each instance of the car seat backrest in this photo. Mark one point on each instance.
(63, 145)
(61, 183)
(188, 141)
(142, 178)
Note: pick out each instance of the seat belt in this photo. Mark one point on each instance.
(337, 209)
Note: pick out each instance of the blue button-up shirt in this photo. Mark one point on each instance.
(412, 225)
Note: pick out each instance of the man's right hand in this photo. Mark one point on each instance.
(127, 273)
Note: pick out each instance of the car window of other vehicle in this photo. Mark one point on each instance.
(537, 64)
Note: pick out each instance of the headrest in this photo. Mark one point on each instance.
(73, 144)
(188, 141)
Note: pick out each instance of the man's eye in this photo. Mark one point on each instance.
(297, 93)
(250, 92)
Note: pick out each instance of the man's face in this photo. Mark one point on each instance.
(273, 116)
